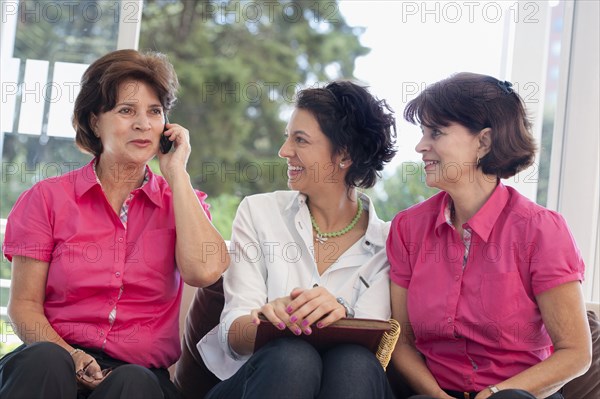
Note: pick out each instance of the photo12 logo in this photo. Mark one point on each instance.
(270, 11)
(470, 11)
(30, 11)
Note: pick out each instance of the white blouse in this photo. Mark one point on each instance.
(272, 252)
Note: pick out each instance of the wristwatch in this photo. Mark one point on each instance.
(493, 389)
(349, 310)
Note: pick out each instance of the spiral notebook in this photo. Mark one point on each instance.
(379, 336)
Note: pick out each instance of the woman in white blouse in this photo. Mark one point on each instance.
(308, 257)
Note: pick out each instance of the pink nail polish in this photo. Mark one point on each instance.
(289, 309)
(293, 319)
(297, 331)
(304, 323)
(307, 331)
(320, 325)
(281, 326)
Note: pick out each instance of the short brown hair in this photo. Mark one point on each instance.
(100, 86)
(478, 102)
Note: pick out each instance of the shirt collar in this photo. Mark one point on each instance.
(152, 188)
(376, 232)
(483, 221)
(442, 214)
(88, 179)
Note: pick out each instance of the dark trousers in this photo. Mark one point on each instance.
(45, 370)
(292, 368)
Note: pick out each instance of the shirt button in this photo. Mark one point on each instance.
(449, 319)
(111, 302)
(457, 277)
(368, 242)
(120, 239)
(118, 274)
(102, 333)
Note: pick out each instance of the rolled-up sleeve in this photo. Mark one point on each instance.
(398, 253)
(29, 227)
(554, 258)
(202, 198)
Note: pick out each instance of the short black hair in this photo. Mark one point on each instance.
(355, 122)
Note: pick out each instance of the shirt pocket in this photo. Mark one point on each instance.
(501, 295)
(159, 250)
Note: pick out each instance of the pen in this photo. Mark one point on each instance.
(362, 280)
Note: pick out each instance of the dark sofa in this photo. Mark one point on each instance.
(195, 380)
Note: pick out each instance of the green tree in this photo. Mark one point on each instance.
(400, 190)
(239, 64)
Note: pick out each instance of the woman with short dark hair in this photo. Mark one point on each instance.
(99, 255)
(485, 283)
(321, 257)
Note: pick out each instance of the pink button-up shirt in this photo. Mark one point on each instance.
(474, 313)
(99, 264)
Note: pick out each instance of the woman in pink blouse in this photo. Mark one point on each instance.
(485, 283)
(99, 255)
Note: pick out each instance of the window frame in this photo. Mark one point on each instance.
(130, 20)
(576, 144)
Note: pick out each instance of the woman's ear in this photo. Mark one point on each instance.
(343, 160)
(94, 124)
(485, 142)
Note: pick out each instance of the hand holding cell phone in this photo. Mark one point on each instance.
(165, 144)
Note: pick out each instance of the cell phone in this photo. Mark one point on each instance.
(165, 144)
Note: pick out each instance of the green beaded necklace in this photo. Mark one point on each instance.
(322, 237)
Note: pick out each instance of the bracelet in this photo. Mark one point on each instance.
(349, 310)
(74, 351)
(493, 389)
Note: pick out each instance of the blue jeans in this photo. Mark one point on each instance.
(292, 368)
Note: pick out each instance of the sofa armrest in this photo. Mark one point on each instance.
(192, 377)
(587, 386)
(594, 307)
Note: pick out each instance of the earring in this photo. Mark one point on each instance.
(478, 160)
(342, 165)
